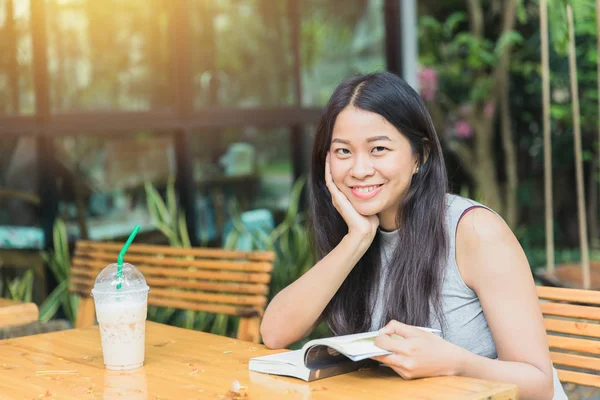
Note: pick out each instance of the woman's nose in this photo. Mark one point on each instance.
(362, 168)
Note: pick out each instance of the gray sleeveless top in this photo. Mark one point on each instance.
(465, 324)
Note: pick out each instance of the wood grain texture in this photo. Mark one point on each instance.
(200, 279)
(186, 364)
(14, 313)
(571, 317)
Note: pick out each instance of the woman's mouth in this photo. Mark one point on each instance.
(365, 192)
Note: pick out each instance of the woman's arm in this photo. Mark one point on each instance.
(493, 264)
(293, 312)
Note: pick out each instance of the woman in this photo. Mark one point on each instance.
(396, 250)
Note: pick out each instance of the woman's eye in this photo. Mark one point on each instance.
(343, 152)
(379, 149)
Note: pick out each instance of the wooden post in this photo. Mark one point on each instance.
(393, 37)
(585, 261)
(547, 138)
(182, 74)
(297, 133)
(598, 82)
(48, 190)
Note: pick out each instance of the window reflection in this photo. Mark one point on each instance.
(108, 55)
(241, 53)
(16, 79)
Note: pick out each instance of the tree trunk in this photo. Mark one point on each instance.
(510, 159)
(485, 173)
(593, 206)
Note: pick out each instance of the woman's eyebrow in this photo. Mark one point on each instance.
(340, 141)
(369, 140)
(377, 138)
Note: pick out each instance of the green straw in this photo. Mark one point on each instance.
(122, 254)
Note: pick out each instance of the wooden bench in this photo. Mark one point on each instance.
(15, 313)
(572, 319)
(199, 279)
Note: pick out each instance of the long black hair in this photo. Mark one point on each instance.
(417, 264)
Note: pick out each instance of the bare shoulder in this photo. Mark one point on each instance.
(486, 247)
(480, 225)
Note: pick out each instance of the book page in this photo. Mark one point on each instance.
(295, 357)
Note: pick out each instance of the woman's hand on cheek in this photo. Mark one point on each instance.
(417, 353)
(364, 226)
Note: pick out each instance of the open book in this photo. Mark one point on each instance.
(322, 358)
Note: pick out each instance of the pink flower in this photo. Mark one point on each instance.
(428, 83)
(462, 129)
(489, 109)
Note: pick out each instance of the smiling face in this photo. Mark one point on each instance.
(372, 163)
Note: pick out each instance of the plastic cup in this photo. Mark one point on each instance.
(121, 315)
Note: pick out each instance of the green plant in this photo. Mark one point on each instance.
(171, 222)
(19, 288)
(165, 215)
(59, 263)
(291, 243)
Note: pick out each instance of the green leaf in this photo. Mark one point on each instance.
(51, 304)
(171, 200)
(295, 197)
(507, 39)
(452, 23)
(183, 232)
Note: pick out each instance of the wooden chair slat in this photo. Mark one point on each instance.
(575, 360)
(84, 273)
(209, 286)
(115, 248)
(206, 307)
(81, 283)
(571, 310)
(579, 328)
(211, 297)
(148, 271)
(571, 319)
(78, 284)
(579, 378)
(106, 259)
(569, 295)
(210, 280)
(574, 344)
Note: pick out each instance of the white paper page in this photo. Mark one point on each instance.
(288, 357)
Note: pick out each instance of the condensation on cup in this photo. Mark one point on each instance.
(121, 315)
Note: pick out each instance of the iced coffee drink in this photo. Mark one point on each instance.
(121, 313)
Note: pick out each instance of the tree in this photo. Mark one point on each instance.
(466, 85)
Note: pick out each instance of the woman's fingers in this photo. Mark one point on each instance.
(339, 199)
(397, 344)
(330, 185)
(400, 364)
(398, 328)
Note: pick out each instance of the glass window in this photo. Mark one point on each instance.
(102, 182)
(241, 54)
(108, 55)
(249, 166)
(16, 77)
(338, 41)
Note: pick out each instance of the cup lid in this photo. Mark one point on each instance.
(132, 280)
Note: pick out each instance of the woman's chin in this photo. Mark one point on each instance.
(367, 211)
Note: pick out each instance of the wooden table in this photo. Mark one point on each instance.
(184, 364)
(13, 313)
